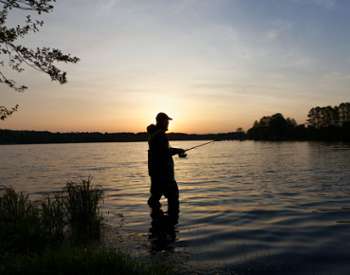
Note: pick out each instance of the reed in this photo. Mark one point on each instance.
(53, 217)
(29, 226)
(82, 203)
(20, 224)
(40, 237)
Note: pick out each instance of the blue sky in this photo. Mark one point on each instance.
(212, 65)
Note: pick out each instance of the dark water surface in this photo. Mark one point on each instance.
(246, 207)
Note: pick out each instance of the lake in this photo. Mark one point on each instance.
(246, 207)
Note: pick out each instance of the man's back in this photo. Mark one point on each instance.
(160, 162)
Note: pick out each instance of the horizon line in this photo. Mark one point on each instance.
(122, 132)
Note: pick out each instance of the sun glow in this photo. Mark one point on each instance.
(171, 105)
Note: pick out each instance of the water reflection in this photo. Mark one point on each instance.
(163, 230)
(242, 203)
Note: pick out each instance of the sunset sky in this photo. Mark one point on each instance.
(213, 66)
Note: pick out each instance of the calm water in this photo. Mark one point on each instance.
(246, 207)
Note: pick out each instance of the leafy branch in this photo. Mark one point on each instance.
(17, 57)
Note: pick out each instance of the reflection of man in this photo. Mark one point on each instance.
(161, 165)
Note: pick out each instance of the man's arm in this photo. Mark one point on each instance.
(176, 151)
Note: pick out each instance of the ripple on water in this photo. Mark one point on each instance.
(246, 207)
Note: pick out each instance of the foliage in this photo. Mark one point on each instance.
(53, 217)
(32, 235)
(20, 229)
(19, 56)
(323, 117)
(80, 260)
(82, 204)
(5, 112)
(274, 127)
(28, 226)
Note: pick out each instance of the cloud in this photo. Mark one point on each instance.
(328, 4)
(278, 29)
(106, 6)
(325, 3)
(337, 76)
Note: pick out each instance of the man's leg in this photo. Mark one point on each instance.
(156, 194)
(173, 199)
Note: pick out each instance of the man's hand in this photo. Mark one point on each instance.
(182, 153)
(178, 151)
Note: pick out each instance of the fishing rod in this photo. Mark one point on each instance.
(184, 155)
(200, 145)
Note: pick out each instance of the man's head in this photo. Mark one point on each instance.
(163, 121)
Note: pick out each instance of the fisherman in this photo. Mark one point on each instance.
(161, 165)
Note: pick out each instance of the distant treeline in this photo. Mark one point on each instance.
(323, 124)
(37, 137)
(276, 127)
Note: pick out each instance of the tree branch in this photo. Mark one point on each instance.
(29, 5)
(5, 112)
(40, 59)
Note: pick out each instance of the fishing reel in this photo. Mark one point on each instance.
(182, 155)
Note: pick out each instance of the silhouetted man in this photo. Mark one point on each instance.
(161, 166)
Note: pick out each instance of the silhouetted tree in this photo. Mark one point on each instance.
(18, 56)
(274, 127)
(324, 117)
(291, 122)
(324, 123)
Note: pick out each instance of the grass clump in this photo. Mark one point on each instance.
(83, 211)
(53, 217)
(20, 224)
(73, 214)
(41, 237)
(80, 260)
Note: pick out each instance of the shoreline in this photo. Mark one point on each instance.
(8, 137)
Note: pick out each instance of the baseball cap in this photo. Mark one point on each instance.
(163, 116)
